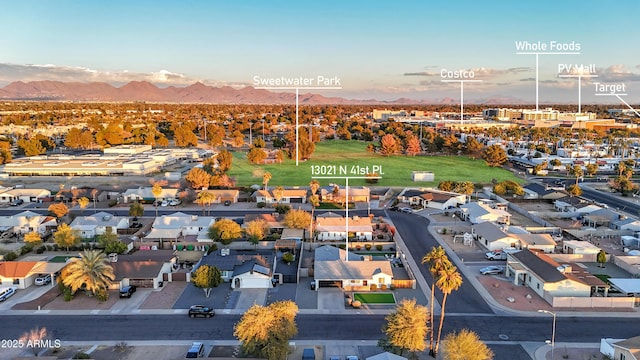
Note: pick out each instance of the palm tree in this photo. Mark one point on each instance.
(205, 198)
(437, 260)
(156, 190)
(265, 179)
(449, 280)
(91, 271)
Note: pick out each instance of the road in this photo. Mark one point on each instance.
(614, 202)
(415, 233)
(311, 327)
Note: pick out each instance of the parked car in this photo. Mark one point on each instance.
(174, 202)
(352, 357)
(127, 291)
(195, 351)
(164, 203)
(7, 293)
(43, 279)
(17, 202)
(227, 202)
(201, 311)
(492, 270)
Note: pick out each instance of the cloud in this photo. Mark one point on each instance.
(422, 73)
(617, 73)
(480, 72)
(31, 72)
(528, 79)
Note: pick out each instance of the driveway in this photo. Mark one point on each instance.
(330, 299)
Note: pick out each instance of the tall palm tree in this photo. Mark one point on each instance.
(437, 260)
(265, 179)
(205, 198)
(449, 280)
(90, 271)
(156, 190)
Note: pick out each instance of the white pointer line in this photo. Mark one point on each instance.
(346, 177)
(577, 75)
(461, 80)
(634, 110)
(610, 94)
(298, 87)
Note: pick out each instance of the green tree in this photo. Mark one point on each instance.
(136, 209)
(83, 202)
(65, 236)
(449, 280)
(592, 169)
(110, 243)
(225, 231)
(494, 155)
(601, 258)
(575, 170)
(156, 191)
(31, 147)
(5, 152)
(574, 190)
(33, 238)
(91, 272)
(206, 277)
(278, 193)
(256, 230)
(406, 328)
(198, 178)
(297, 219)
(265, 331)
(413, 147)
(463, 187)
(465, 345)
(436, 260)
(446, 185)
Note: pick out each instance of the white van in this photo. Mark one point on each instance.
(196, 351)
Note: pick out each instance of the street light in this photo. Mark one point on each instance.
(553, 329)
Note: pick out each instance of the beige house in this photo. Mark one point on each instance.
(628, 349)
(331, 270)
(331, 228)
(549, 279)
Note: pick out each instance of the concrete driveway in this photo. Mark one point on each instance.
(330, 299)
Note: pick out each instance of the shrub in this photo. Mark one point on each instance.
(444, 231)
(379, 247)
(392, 287)
(40, 249)
(358, 247)
(261, 204)
(112, 203)
(383, 287)
(367, 246)
(26, 249)
(282, 209)
(81, 355)
(287, 257)
(373, 287)
(11, 256)
(342, 246)
(356, 304)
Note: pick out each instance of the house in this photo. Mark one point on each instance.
(26, 195)
(601, 217)
(628, 349)
(22, 274)
(337, 194)
(542, 242)
(542, 192)
(97, 224)
(144, 268)
(431, 198)
(145, 195)
(568, 204)
(579, 247)
(477, 213)
(239, 265)
(386, 356)
(224, 195)
(272, 220)
(331, 270)
(331, 228)
(28, 221)
(492, 237)
(625, 223)
(289, 196)
(71, 195)
(549, 279)
(181, 227)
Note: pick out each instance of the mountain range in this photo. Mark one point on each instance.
(47, 90)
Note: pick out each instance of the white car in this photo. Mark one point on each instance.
(174, 202)
(164, 203)
(43, 279)
(6, 293)
(492, 270)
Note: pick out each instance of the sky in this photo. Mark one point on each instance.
(381, 50)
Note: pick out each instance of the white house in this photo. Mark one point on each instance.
(26, 222)
(492, 237)
(331, 228)
(97, 224)
(432, 198)
(183, 226)
(144, 194)
(477, 213)
(331, 269)
(252, 274)
(26, 195)
(579, 247)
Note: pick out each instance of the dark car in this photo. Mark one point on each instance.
(227, 203)
(201, 311)
(127, 291)
(17, 202)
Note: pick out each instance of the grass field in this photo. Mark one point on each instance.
(375, 298)
(396, 170)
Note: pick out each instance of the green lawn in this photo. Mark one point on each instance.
(375, 298)
(340, 154)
